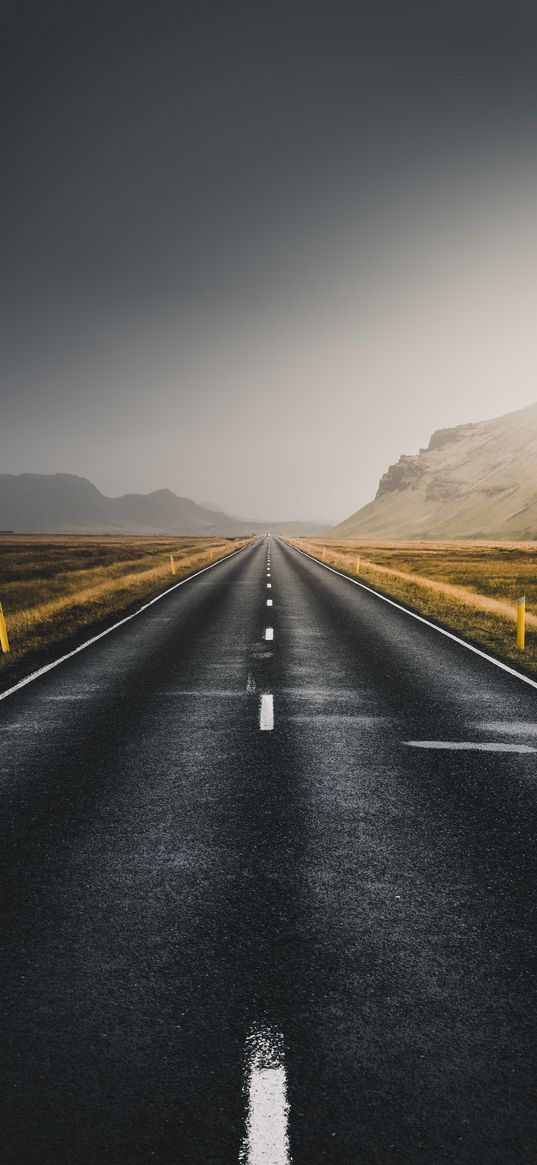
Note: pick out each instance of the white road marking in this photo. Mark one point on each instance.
(426, 622)
(269, 586)
(269, 633)
(70, 697)
(470, 745)
(127, 618)
(22, 725)
(267, 1140)
(209, 693)
(508, 727)
(269, 602)
(266, 713)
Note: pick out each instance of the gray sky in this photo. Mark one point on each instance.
(253, 252)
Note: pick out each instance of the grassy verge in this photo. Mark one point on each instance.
(58, 591)
(470, 588)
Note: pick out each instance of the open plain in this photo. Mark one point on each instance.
(57, 590)
(471, 588)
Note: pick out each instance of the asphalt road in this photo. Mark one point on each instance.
(236, 929)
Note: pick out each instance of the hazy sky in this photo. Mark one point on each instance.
(255, 251)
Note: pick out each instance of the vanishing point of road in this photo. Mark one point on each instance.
(269, 869)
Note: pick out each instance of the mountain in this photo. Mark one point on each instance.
(62, 503)
(473, 481)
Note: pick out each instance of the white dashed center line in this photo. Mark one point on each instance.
(269, 602)
(269, 633)
(269, 586)
(267, 1140)
(266, 713)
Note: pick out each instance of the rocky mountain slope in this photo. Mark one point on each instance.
(473, 481)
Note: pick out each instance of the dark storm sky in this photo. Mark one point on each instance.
(237, 240)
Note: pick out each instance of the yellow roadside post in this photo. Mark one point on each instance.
(172, 563)
(4, 641)
(357, 566)
(521, 623)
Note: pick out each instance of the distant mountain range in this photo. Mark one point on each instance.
(62, 503)
(473, 481)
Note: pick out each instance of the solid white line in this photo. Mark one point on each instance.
(266, 713)
(421, 619)
(269, 602)
(269, 633)
(470, 745)
(69, 655)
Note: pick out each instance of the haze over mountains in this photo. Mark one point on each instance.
(62, 503)
(473, 481)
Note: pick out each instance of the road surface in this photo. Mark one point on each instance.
(256, 905)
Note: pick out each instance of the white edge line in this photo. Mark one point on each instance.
(56, 662)
(420, 619)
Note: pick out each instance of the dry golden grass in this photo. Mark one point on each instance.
(469, 587)
(56, 591)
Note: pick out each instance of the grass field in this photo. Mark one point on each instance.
(471, 588)
(57, 591)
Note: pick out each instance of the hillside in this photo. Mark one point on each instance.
(473, 481)
(62, 503)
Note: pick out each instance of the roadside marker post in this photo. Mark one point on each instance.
(172, 563)
(521, 623)
(4, 641)
(357, 566)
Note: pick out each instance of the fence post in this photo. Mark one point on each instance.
(4, 641)
(521, 623)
